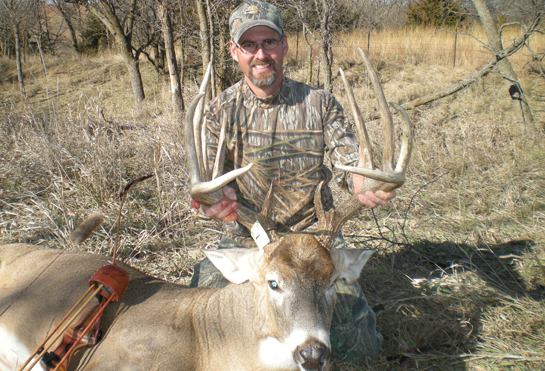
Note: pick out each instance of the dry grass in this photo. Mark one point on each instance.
(459, 271)
(417, 46)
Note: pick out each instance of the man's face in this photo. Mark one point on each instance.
(263, 68)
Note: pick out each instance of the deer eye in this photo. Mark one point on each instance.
(273, 285)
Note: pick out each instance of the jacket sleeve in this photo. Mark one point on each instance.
(213, 125)
(342, 144)
(218, 112)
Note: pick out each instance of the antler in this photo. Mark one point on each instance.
(206, 186)
(390, 178)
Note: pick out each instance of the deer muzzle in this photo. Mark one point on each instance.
(313, 355)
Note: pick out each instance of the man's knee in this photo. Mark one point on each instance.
(205, 274)
(354, 337)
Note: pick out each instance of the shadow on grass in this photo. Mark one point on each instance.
(431, 298)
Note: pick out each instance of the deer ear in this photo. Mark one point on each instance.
(237, 265)
(350, 262)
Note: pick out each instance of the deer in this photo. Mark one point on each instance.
(275, 314)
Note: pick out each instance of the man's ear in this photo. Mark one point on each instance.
(233, 49)
(285, 46)
(350, 262)
(237, 265)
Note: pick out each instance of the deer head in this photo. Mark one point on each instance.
(292, 292)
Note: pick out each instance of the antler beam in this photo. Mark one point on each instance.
(390, 178)
(206, 186)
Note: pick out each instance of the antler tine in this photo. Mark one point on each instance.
(386, 116)
(406, 141)
(192, 143)
(327, 228)
(199, 129)
(361, 130)
(199, 132)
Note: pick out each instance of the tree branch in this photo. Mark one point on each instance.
(517, 44)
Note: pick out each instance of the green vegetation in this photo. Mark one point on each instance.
(435, 13)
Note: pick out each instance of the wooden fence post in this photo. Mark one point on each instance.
(455, 42)
(297, 47)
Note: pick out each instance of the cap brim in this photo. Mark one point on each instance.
(259, 22)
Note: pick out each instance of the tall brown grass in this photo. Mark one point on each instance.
(420, 45)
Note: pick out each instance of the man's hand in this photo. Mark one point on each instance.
(223, 210)
(370, 199)
(373, 199)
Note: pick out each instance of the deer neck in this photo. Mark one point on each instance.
(242, 306)
(235, 319)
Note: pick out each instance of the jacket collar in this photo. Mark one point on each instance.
(271, 100)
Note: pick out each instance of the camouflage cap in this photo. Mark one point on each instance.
(254, 13)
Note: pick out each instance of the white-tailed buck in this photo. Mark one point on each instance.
(275, 316)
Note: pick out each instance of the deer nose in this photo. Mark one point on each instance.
(312, 355)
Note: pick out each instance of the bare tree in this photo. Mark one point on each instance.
(211, 27)
(16, 30)
(213, 31)
(120, 18)
(322, 31)
(326, 10)
(5, 36)
(18, 16)
(205, 38)
(504, 66)
(166, 26)
(225, 71)
(67, 11)
(309, 69)
(524, 11)
(105, 12)
(377, 14)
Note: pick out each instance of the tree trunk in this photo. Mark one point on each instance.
(175, 88)
(205, 40)
(46, 31)
(309, 67)
(325, 64)
(504, 66)
(326, 55)
(213, 83)
(18, 61)
(182, 51)
(71, 30)
(112, 23)
(133, 66)
(158, 56)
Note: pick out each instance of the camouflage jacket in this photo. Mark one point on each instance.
(286, 136)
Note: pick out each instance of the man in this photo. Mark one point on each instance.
(284, 128)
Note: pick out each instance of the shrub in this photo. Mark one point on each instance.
(441, 13)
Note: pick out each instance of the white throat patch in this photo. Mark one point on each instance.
(274, 354)
(13, 353)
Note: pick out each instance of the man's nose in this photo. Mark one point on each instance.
(260, 52)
